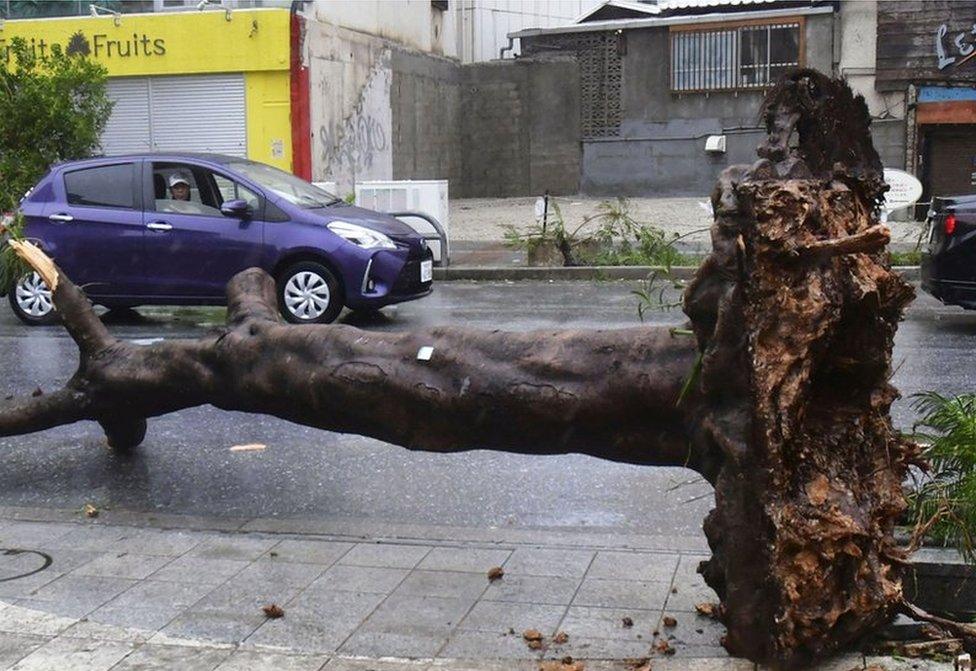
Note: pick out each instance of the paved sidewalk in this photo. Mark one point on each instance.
(100, 594)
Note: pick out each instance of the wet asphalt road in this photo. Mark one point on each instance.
(185, 465)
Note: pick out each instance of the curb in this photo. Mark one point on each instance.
(590, 273)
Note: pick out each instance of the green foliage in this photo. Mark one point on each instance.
(623, 241)
(350, 198)
(912, 258)
(53, 108)
(943, 502)
(554, 233)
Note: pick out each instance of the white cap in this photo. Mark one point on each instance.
(177, 178)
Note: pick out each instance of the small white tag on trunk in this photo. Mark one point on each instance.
(424, 353)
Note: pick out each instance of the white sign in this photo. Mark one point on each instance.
(904, 192)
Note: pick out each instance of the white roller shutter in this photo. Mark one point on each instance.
(127, 130)
(179, 113)
(199, 113)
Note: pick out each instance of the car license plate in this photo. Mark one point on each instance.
(426, 271)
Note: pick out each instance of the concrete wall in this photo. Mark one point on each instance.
(380, 111)
(857, 30)
(426, 107)
(416, 24)
(520, 128)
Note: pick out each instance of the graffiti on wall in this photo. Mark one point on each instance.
(358, 146)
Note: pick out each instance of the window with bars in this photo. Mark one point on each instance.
(737, 57)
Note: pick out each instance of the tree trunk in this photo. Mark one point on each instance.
(786, 408)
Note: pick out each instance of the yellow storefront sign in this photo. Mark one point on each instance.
(164, 43)
(253, 41)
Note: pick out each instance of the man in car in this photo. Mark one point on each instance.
(179, 187)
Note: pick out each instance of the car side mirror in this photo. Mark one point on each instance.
(236, 208)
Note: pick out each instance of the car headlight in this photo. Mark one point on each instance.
(361, 236)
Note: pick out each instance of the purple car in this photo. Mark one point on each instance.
(173, 229)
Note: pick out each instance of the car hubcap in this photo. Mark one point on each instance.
(33, 296)
(307, 295)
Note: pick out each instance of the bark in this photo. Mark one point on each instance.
(786, 413)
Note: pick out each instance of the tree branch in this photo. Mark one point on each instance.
(27, 415)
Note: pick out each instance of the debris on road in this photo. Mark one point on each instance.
(560, 638)
(669, 622)
(708, 610)
(565, 664)
(628, 623)
(273, 611)
(533, 638)
(90, 510)
(249, 447)
(664, 647)
(495, 573)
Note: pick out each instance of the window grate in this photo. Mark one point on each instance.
(744, 57)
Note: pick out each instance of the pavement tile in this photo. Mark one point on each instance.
(161, 543)
(481, 665)
(75, 655)
(14, 563)
(147, 619)
(216, 626)
(200, 570)
(499, 617)
(14, 647)
(903, 664)
(65, 560)
(417, 614)
(81, 593)
(252, 660)
(232, 547)
(643, 566)
(308, 552)
(385, 644)
(533, 589)
(17, 619)
(487, 645)
(385, 555)
(92, 538)
(360, 579)
(622, 594)
(586, 622)
(548, 562)
(122, 632)
(720, 663)
(600, 648)
(151, 657)
(123, 565)
(159, 594)
(472, 560)
(245, 598)
(693, 630)
(339, 664)
(317, 623)
(24, 587)
(448, 584)
(31, 534)
(293, 574)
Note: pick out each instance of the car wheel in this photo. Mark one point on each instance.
(31, 301)
(308, 293)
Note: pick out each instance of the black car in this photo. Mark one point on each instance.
(949, 262)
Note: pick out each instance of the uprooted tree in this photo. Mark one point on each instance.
(780, 399)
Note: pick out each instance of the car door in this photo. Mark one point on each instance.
(94, 228)
(192, 249)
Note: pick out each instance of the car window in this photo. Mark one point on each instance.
(231, 190)
(104, 186)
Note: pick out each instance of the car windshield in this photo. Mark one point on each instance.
(286, 185)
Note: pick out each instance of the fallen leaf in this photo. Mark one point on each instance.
(640, 664)
(534, 645)
(90, 510)
(628, 622)
(664, 647)
(669, 621)
(532, 635)
(560, 638)
(708, 609)
(249, 447)
(495, 573)
(273, 611)
(565, 664)
(674, 590)
(37, 392)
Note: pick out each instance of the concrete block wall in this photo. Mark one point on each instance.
(519, 128)
(426, 101)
